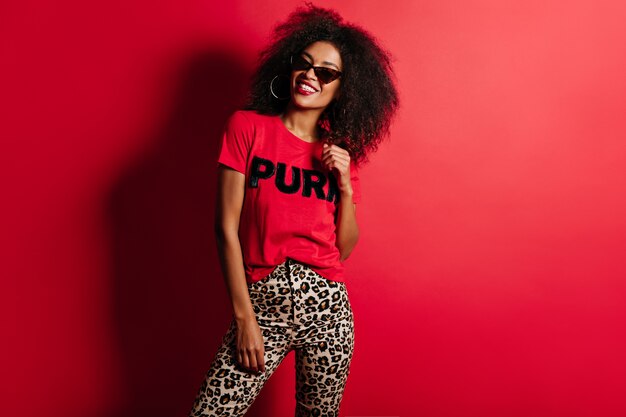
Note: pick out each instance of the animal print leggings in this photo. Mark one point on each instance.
(296, 309)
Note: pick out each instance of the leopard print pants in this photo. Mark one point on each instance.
(297, 309)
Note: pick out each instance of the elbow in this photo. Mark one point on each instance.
(346, 249)
(224, 234)
(219, 232)
(345, 254)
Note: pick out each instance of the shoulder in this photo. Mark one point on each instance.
(247, 125)
(249, 118)
(240, 124)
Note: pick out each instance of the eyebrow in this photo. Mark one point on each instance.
(325, 62)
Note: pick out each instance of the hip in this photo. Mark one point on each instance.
(293, 293)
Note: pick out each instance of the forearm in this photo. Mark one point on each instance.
(231, 261)
(347, 229)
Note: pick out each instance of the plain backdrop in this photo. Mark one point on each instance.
(489, 277)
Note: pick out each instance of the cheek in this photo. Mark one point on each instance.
(333, 91)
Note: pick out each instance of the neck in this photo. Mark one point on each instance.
(302, 123)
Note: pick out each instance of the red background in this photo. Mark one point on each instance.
(489, 278)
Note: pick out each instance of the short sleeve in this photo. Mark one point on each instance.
(236, 142)
(356, 183)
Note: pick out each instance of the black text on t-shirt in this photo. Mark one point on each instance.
(308, 180)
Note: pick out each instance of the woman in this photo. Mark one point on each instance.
(321, 100)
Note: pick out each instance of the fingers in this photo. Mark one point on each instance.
(250, 349)
(335, 150)
(261, 360)
(342, 166)
(253, 359)
(335, 157)
(257, 360)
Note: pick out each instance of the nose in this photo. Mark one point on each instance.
(310, 73)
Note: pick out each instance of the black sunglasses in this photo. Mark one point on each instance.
(324, 74)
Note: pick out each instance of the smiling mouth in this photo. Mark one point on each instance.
(305, 88)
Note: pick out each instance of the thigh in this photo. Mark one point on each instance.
(229, 389)
(325, 352)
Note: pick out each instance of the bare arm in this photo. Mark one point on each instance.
(347, 229)
(230, 194)
(230, 191)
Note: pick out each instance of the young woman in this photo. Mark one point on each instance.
(322, 98)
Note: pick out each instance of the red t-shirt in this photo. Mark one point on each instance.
(290, 198)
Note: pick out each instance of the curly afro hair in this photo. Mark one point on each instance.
(361, 116)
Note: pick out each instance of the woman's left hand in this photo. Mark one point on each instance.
(335, 157)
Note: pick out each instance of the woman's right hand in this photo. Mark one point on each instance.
(250, 345)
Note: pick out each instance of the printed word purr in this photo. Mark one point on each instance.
(307, 181)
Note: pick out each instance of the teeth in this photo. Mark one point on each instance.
(307, 88)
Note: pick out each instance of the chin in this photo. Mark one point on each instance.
(303, 103)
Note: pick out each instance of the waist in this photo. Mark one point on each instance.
(255, 273)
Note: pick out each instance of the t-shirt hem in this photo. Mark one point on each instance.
(262, 273)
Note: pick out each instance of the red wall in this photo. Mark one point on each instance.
(489, 278)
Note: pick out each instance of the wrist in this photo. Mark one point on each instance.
(244, 316)
(346, 192)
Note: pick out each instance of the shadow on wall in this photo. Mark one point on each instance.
(171, 305)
